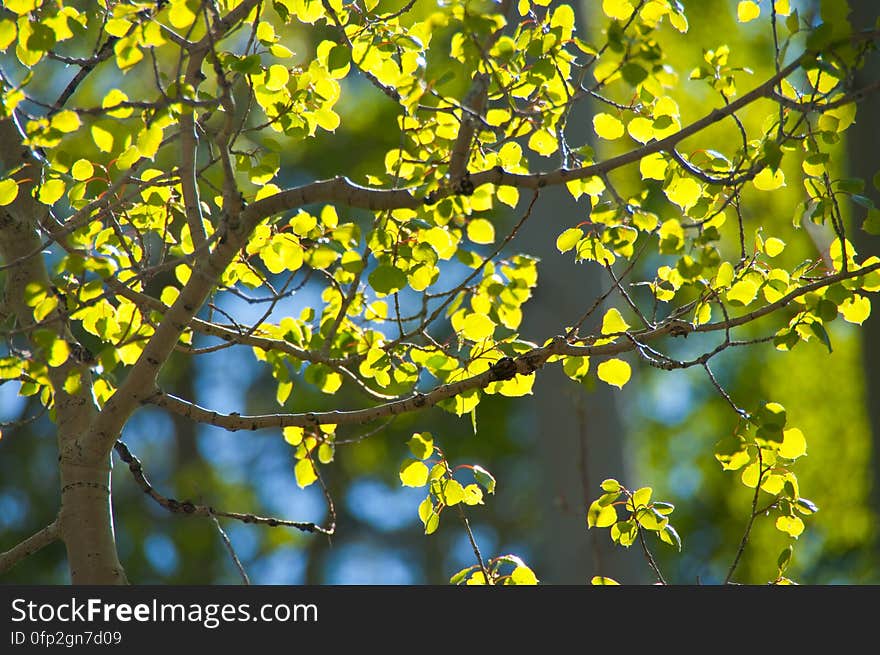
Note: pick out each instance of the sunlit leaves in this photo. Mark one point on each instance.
(613, 322)
(569, 239)
(617, 9)
(413, 473)
(791, 525)
(684, 192)
(600, 516)
(747, 11)
(614, 372)
(742, 292)
(600, 580)
(8, 192)
(305, 473)
(607, 126)
(640, 513)
(421, 445)
(768, 180)
(481, 231)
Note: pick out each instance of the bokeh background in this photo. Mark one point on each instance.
(548, 451)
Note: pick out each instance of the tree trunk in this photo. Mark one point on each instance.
(863, 144)
(579, 433)
(85, 517)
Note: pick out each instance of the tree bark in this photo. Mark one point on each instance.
(579, 433)
(863, 144)
(85, 519)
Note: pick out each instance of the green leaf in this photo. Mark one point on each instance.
(599, 516)
(771, 416)
(601, 580)
(484, 478)
(453, 492)
(421, 445)
(432, 523)
(338, 57)
(611, 485)
(523, 575)
(459, 577)
(819, 330)
(669, 535)
(784, 558)
(568, 239)
(387, 279)
(413, 473)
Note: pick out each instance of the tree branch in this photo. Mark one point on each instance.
(35, 543)
(189, 508)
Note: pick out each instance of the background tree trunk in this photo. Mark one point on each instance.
(579, 433)
(863, 144)
(85, 517)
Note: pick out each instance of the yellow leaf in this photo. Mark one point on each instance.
(480, 230)
(114, 98)
(148, 141)
(743, 292)
(413, 473)
(607, 126)
(523, 575)
(294, 435)
(615, 372)
(653, 167)
(613, 322)
(641, 129)
(684, 192)
(601, 516)
(773, 246)
(477, 327)
(855, 309)
(617, 9)
(66, 121)
(793, 444)
(783, 8)
(58, 353)
(102, 138)
(747, 11)
(8, 192)
(508, 195)
(51, 191)
(791, 525)
(305, 473)
(767, 180)
(543, 142)
(180, 15)
(82, 170)
(601, 580)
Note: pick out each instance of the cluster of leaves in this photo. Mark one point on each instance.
(641, 513)
(429, 467)
(166, 196)
(765, 450)
(443, 489)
